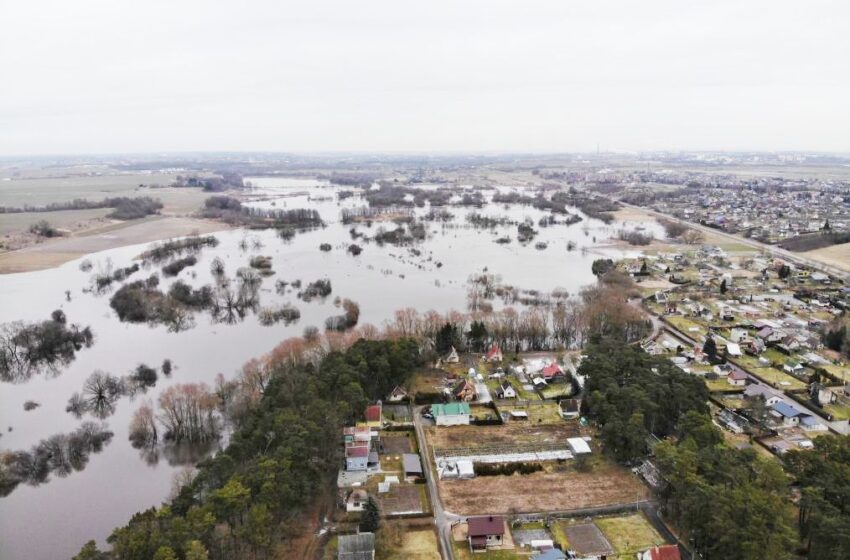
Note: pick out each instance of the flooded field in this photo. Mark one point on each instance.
(119, 480)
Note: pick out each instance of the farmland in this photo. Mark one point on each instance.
(561, 487)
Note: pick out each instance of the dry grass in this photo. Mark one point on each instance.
(512, 433)
(606, 484)
(55, 252)
(837, 256)
(416, 545)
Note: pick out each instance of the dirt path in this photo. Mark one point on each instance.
(56, 252)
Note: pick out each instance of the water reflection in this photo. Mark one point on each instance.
(60, 454)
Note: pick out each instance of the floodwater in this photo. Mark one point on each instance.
(53, 520)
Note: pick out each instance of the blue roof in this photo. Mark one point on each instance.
(787, 410)
(808, 421)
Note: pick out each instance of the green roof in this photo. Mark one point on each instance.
(450, 409)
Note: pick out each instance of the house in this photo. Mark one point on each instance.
(792, 367)
(452, 357)
(551, 371)
(356, 547)
(485, 532)
(356, 500)
(737, 378)
(578, 446)
(663, 552)
(357, 435)
(756, 390)
(397, 395)
(412, 465)
(787, 414)
(739, 335)
(570, 408)
(464, 390)
(373, 415)
(506, 391)
(451, 414)
(357, 457)
(494, 354)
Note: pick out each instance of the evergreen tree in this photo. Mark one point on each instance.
(709, 348)
(371, 519)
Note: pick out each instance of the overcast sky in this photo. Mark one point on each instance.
(88, 76)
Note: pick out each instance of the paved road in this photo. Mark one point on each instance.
(769, 249)
(442, 519)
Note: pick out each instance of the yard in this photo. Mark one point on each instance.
(415, 545)
(543, 413)
(629, 534)
(404, 499)
(512, 433)
(685, 324)
(562, 489)
(839, 411)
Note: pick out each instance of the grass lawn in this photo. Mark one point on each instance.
(720, 386)
(685, 325)
(537, 414)
(841, 372)
(557, 390)
(629, 534)
(838, 411)
(462, 552)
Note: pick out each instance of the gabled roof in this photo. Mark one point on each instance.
(486, 525)
(450, 409)
(356, 547)
(373, 413)
(787, 410)
(493, 351)
(551, 370)
(665, 552)
(357, 451)
(738, 375)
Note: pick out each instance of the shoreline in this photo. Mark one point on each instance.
(53, 253)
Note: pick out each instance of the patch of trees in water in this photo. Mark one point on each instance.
(224, 181)
(46, 346)
(320, 288)
(104, 280)
(175, 267)
(348, 319)
(60, 454)
(174, 247)
(101, 391)
(231, 211)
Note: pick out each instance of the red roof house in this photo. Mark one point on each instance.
(663, 552)
(494, 354)
(485, 531)
(373, 415)
(552, 370)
